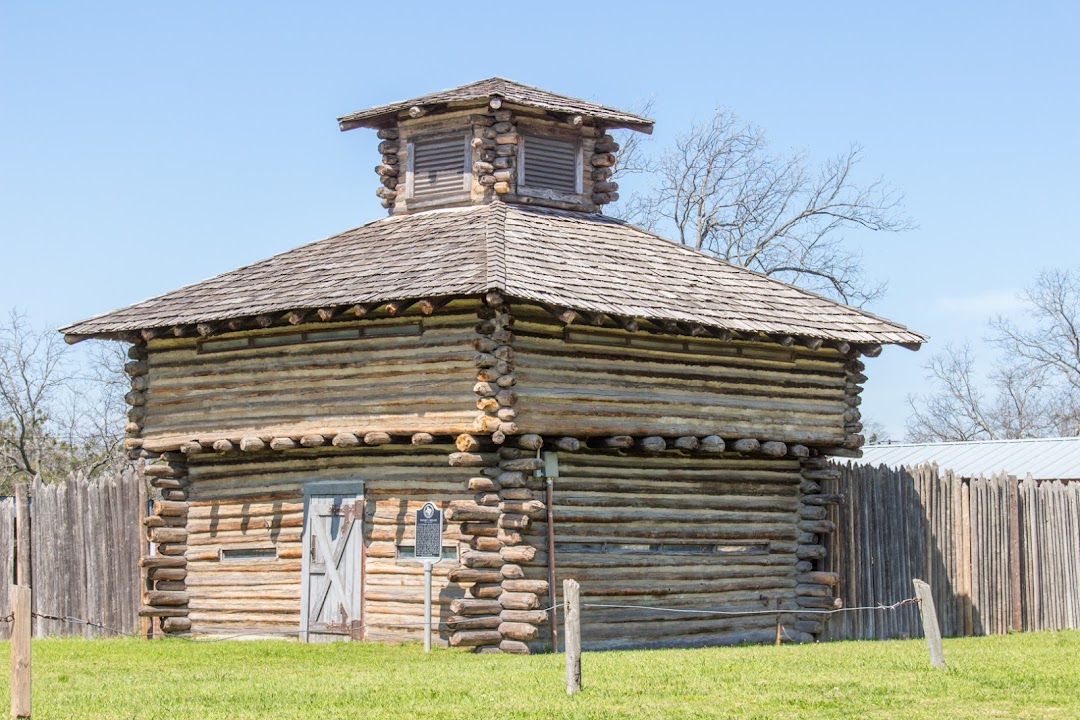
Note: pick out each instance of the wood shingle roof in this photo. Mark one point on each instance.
(483, 90)
(580, 261)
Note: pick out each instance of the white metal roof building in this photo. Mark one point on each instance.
(1043, 458)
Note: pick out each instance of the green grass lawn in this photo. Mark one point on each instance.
(1034, 675)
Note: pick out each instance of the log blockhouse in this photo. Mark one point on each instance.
(583, 398)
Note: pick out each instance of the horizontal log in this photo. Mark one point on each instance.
(252, 444)
(467, 443)
(536, 587)
(518, 553)
(159, 611)
(514, 521)
(158, 561)
(486, 591)
(813, 512)
(474, 512)
(465, 575)
(461, 459)
(773, 449)
(813, 590)
(477, 559)
(819, 603)
(823, 527)
(687, 442)
(164, 598)
(530, 442)
(522, 465)
(176, 625)
(712, 444)
(820, 578)
(652, 443)
(519, 631)
(171, 509)
(474, 638)
(514, 647)
(813, 627)
(810, 552)
(465, 606)
(345, 439)
(567, 444)
(519, 601)
(464, 622)
(829, 499)
(746, 445)
(168, 535)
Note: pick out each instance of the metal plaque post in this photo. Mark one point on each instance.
(428, 549)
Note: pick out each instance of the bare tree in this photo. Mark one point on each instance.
(1051, 344)
(722, 190)
(1020, 402)
(56, 416)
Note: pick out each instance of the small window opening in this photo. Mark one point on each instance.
(438, 166)
(549, 163)
(267, 553)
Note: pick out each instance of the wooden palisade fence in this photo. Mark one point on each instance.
(1000, 554)
(85, 544)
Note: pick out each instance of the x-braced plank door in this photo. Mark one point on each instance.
(333, 581)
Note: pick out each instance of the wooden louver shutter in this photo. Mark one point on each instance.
(551, 164)
(438, 166)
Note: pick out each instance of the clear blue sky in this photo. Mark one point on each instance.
(146, 145)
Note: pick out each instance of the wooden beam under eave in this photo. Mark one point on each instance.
(429, 306)
(564, 315)
(913, 346)
(397, 307)
(365, 309)
(206, 328)
(628, 324)
(325, 314)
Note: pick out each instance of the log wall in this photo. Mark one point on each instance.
(257, 501)
(388, 383)
(584, 380)
(675, 531)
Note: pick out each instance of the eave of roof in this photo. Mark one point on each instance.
(483, 90)
(580, 261)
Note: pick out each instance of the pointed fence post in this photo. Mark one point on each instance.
(930, 623)
(572, 598)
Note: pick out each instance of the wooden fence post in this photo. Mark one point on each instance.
(572, 598)
(20, 651)
(930, 623)
(1017, 615)
(22, 534)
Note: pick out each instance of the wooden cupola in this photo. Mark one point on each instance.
(495, 140)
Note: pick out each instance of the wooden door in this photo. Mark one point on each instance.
(333, 570)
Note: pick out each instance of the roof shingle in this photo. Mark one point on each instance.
(515, 92)
(576, 260)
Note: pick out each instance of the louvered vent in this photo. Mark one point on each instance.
(438, 166)
(550, 164)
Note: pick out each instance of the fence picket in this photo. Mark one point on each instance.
(84, 554)
(929, 522)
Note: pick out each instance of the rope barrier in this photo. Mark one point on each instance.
(465, 622)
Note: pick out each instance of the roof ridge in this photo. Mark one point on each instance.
(495, 247)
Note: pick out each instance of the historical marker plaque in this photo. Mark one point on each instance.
(429, 533)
